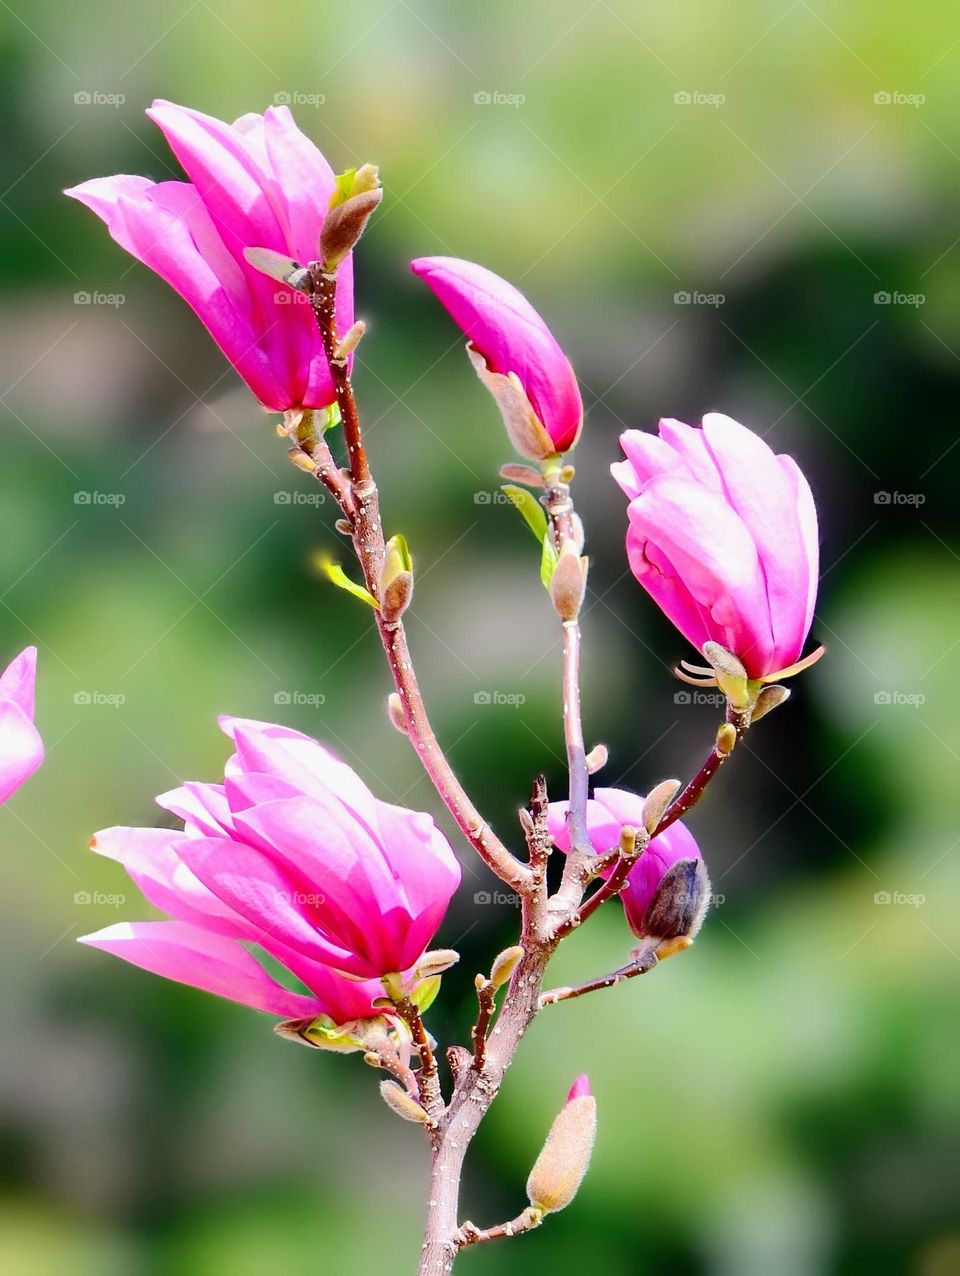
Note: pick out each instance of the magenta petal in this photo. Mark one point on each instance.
(760, 491)
(167, 227)
(715, 557)
(264, 747)
(189, 955)
(512, 337)
(272, 897)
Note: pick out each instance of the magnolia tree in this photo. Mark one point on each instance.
(291, 854)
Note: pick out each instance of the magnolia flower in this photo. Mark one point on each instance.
(723, 536)
(514, 352)
(256, 183)
(650, 896)
(292, 853)
(21, 749)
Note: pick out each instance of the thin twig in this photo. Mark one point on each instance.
(641, 964)
(487, 998)
(428, 1079)
(470, 1234)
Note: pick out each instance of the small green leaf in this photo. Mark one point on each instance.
(529, 507)
(424, 995)
(398, 545)
(340, 578)
(548, 562)
(329, 417)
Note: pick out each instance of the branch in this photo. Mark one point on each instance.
(428, 1080)
(367, 534)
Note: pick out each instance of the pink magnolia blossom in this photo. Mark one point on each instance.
(292, 853)
(723, 536)
(256, 183)
(608, 811)
(512, 341)
(21, 749)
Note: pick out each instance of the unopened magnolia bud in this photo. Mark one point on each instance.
(396, 580)
(405, 1106)
(436, 962)
(628, 839)
(395, 599)
(568, 583)
(504, 964)
(522, 474)
(726, 739)
(356, 195)
(597, 758)
(349, 341)
(768, 699)
(657, 801)
(681, 901)
(560, 1167)
(396, 712)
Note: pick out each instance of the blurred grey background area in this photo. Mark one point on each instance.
(749, 209)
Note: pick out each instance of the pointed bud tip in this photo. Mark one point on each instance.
(580, 1088)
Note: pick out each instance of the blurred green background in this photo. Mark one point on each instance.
(784, 1098)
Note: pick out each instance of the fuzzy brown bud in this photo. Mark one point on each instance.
(565, 1158)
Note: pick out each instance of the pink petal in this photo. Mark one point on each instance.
(276, 900)
(806, 512)
(758, 489)
(21, 749)
(18, 680)
(715, 557)
(167, 227)
(189, 955)
(151, 858)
